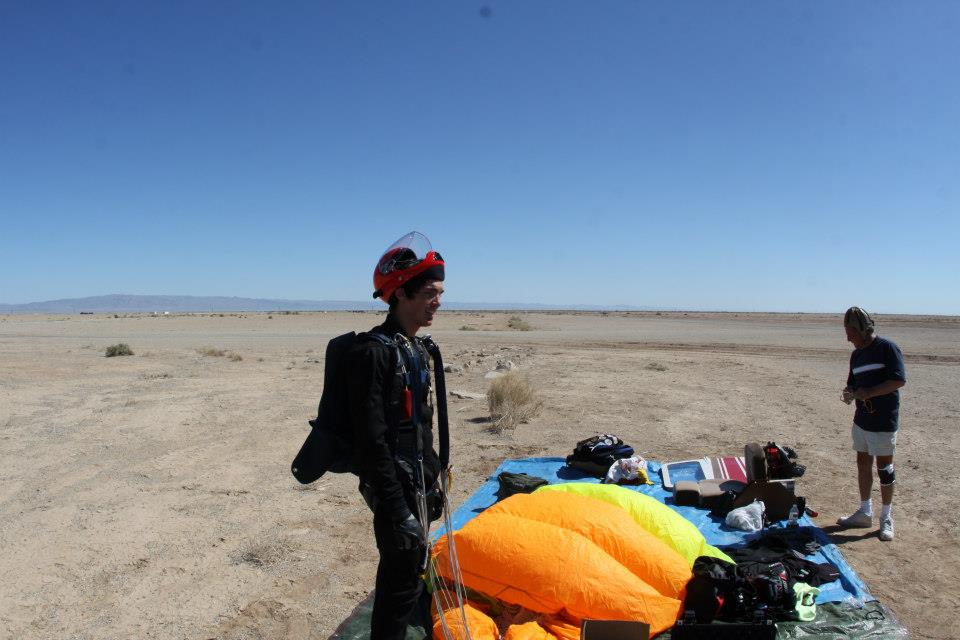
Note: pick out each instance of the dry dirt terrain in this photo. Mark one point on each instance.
(150, 496)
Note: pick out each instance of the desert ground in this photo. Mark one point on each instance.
(150, 496)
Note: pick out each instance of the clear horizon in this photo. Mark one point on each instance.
(746, 157)
(458, 305)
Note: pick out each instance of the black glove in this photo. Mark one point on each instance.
(435, 503)
(408, 534)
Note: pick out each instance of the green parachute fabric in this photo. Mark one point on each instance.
(651, 514)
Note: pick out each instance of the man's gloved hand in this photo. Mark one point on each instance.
(435, 504)
(408, 534)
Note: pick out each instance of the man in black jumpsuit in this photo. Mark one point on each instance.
(390, 406)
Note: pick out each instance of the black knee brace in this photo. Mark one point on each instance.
(887, 475)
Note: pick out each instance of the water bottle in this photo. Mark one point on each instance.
(794, 514)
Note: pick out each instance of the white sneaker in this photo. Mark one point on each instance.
(886, 530)
(858, 519)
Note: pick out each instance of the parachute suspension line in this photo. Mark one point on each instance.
(443, 598)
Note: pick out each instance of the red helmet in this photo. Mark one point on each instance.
(404, 260)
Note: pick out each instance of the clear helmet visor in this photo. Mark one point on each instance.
(405, 253)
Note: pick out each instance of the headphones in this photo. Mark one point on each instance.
(858, 319)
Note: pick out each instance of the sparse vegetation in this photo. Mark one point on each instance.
(512, 400)
(518, 324)
(468, 327)
(156, 375)
(213, 352)
(119, 349)
(656, 366)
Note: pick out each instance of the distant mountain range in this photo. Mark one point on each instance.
(118, 303)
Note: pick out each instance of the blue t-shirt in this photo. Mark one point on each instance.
(874, 364)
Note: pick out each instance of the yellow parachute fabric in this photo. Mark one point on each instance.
(612, 529)
(651, 514)
(548, 569)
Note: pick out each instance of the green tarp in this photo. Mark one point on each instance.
(873, 621)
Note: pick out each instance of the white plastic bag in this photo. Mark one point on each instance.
(632, 469)
(748, 518)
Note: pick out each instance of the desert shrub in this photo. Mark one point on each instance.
(211, 351)
(119, 349)
(156, 375)
(518, 324)
(235, 357)
(656, 366)
(512, 400)
(468, 327)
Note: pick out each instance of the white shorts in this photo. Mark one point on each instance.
(874, 443)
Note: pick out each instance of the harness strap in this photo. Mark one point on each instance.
(443, 425)
(396, 361)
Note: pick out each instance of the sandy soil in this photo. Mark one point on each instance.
(150, 496)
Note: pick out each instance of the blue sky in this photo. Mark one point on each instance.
(759, 155)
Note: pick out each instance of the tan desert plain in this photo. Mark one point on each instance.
(150, 496)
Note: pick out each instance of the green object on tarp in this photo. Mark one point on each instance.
(357, 624)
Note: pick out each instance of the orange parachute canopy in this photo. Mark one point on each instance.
(612, 529)
(479, 624)
(550, 569)
(482, 626)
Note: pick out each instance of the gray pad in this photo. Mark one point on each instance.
(686, 493)
(756, 462)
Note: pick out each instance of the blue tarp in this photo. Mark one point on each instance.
(848, 589)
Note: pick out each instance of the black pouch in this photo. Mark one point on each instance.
(511, 483)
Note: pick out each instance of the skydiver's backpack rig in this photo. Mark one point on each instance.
(595, 455)
(329, 445)
(771, 581)
(750, 604)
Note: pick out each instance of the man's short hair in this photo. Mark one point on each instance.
(859, 319)
(413, 286)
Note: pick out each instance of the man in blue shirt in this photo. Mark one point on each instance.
(873, 382)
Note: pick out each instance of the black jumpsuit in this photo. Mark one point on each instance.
(384, 440)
